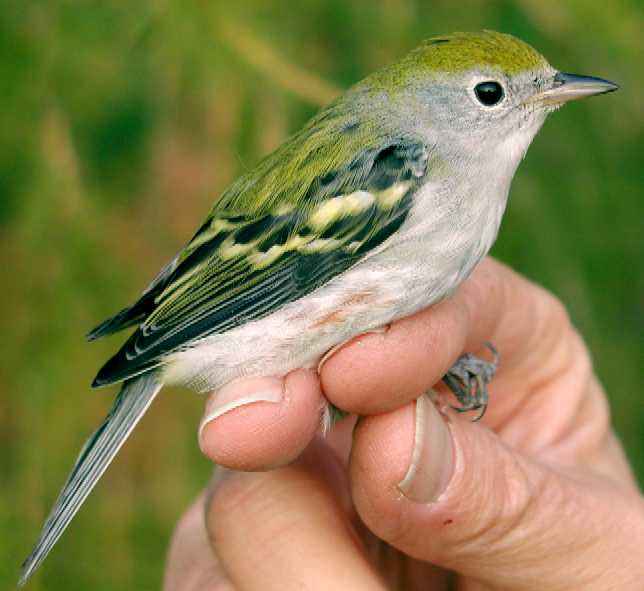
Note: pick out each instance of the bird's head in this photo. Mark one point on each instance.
(479, 94)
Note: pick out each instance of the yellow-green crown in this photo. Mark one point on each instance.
(464, 51)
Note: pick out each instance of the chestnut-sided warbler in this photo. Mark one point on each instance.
(381, 205)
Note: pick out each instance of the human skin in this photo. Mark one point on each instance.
(538, 495)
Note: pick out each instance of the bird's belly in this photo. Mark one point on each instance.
(368, 296)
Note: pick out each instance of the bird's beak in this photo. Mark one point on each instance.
(570, 87)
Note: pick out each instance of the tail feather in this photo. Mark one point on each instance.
(97, 453)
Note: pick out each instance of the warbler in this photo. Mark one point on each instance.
(380, 206)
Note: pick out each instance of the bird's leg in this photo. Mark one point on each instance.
(329, 416)
(468, 379)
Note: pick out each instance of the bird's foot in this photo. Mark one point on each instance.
(468, 379)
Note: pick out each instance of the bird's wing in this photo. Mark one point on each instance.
(248, 260)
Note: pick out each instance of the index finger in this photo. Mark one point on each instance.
(376, 373)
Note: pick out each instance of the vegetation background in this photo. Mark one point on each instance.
(121, 122)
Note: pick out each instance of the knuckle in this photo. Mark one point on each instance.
(242, 501)
(183, 528)
(227, 503)
(554, 341)
(228, 495)
(554, 312)
(559, 315)
(444, 344)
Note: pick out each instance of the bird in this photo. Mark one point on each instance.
(381, 205)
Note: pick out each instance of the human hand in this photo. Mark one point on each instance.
(538, 496)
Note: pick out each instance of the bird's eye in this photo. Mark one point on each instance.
(489, 93)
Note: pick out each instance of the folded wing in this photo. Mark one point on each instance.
(241, 267)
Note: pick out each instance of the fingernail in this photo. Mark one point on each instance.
(240, 393)
(432, 459)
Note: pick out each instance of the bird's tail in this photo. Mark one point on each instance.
(97, 453)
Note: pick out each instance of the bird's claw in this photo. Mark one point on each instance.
(468, 379)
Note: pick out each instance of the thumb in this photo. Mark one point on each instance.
(451, 493)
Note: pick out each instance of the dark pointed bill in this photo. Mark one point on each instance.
(570, 87)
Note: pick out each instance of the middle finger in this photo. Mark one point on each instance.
(289, 528)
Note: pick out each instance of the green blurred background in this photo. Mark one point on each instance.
(121, 122)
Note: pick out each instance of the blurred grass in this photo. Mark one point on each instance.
(120, 123)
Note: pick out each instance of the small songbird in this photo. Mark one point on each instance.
(380, 206)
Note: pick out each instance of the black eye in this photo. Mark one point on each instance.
(489, 93)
